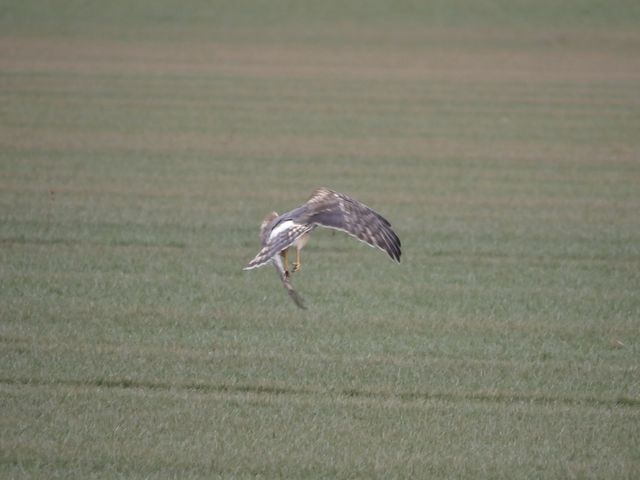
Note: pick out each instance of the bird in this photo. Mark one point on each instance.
(324, 208)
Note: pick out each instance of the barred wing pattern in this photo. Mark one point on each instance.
(341, 212)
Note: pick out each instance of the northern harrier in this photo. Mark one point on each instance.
(325, 208)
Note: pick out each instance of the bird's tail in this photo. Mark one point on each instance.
(295, 296)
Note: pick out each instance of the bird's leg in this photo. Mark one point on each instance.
(297, 264)
(286, 263)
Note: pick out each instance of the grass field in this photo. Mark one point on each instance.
(140, 147)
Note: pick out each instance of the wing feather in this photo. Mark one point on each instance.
(340, 212)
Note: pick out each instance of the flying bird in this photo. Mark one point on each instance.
(324, 208)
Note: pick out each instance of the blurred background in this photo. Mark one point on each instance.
(141, 144)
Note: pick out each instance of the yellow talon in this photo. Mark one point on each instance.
(286, 263)
(297, 264)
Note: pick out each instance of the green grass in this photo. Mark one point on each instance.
(139, 152)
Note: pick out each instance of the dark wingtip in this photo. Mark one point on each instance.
(395, 252)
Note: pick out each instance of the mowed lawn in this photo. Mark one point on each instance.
(141, 146)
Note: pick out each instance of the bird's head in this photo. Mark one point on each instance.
(267, 220)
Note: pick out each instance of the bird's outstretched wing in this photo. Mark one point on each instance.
(328, 209)
(341, 212)
(332, 210)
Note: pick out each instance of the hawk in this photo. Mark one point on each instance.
(324, 208)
